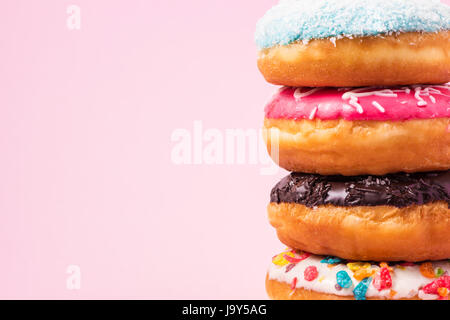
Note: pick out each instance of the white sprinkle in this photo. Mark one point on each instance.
(383, 94)
(421, 103)
(447, 86)
(354, 102)
(433, 90)
(356, 93)
(378, 106)
(436, 91)
(419, 91)
(350, 93)
(333, 40)
(298, 94)
(433, 99)
(313, 113)
(403, 90)
(441, 94)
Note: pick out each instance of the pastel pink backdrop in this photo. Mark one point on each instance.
(86, 177)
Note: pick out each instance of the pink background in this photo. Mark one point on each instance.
(86, 177)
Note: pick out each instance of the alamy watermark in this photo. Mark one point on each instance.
(200, 146)
(73, 281)
(73, 21)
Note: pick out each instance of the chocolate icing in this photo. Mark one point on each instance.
(398, 190)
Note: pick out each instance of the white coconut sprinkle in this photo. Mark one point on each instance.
(378, 106)
(313, 113)
(298, 94)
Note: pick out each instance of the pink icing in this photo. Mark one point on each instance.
(380, 104)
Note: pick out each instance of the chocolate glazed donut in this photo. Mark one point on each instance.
(393, 217)
(398, 190)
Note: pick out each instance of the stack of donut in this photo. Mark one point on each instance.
(362, 121)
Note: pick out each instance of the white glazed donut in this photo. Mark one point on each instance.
(301, 276)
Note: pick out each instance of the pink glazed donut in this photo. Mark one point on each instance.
(353, 131)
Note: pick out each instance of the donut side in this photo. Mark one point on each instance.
(395, 59)
(359, 147)
(414, 233)
(394, 217)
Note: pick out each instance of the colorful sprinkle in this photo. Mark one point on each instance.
(361, 289)
(343, 279)
(331, 260)
(426, 269)
(439, 272)
(294, 284)
(432, 288)
(386, 265)
(363, 273)
(442, 292)
(355, 266)
(280, 260)
(294, 259)
(311, 273)
(290, 266)
(383, 279)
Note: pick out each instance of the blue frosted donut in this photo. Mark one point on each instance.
(293, 20)
(352, 43)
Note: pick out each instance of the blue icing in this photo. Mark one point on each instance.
(293, 20)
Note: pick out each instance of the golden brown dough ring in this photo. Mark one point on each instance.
(359, 147)
(380, 233)
(398, 59)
